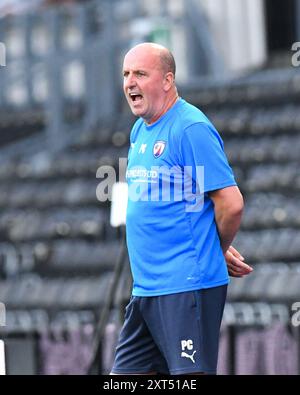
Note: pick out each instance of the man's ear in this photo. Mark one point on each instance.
(168, 81)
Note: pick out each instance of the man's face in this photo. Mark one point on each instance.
(144, 83)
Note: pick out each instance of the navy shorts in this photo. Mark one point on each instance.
(171, 334)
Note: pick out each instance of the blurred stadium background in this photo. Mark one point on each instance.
(62, 116)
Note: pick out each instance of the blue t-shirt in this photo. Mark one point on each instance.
(172, 238)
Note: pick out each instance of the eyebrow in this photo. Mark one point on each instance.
(135, 71)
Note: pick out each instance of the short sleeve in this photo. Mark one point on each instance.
(202, 146)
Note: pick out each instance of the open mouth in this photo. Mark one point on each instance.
(135, 97)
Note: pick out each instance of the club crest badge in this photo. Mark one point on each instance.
(159, 148)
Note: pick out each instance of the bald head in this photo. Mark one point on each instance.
(162, 54)
(149, 80)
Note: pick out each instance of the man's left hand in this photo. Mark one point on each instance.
(235, 263)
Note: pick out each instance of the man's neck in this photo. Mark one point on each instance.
(170, 104)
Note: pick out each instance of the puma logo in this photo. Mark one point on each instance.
(184, 354)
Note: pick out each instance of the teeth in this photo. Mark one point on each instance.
(135, 95)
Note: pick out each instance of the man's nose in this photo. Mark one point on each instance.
(130, 82)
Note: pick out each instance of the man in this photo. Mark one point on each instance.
(178, 249)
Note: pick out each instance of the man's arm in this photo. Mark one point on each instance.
(228, 206)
